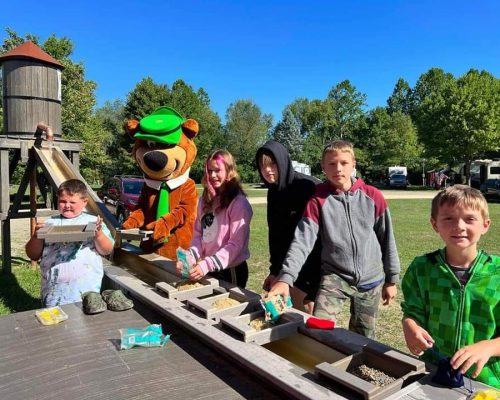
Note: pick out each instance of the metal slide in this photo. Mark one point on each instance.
(58, 168)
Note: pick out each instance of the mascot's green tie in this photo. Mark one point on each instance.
(163, 206)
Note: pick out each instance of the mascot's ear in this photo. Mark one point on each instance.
(190, 128)
(131, 127)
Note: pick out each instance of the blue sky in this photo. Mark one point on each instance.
(271, 52)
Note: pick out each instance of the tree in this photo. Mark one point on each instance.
(287, 132)
(196, 105)
(345, 108)
(430, 97)
(401, 99)
(391, 139)
(471, 119)
(246, 130)
(119, 149)
(144, 98)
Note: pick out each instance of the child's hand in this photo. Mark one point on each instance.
(178, 267)
(417, 338)
(478, 353)
(98, 224)
(196, 273)
(279, 288)
(268, 282)
(389, 292)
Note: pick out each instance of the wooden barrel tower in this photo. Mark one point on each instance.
(31, 90)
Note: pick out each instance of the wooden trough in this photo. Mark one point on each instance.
(183, 290)
(244, 326)
(234, 302)
(67, 233)
(388, 373)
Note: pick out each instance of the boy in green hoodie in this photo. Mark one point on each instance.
(451, 296)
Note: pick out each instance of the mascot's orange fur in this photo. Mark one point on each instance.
(167, 162)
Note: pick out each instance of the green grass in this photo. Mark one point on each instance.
(414, 236)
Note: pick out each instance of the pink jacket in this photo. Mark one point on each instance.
(220, 239)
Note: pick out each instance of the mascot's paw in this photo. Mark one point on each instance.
(160, 230)
(131, 223)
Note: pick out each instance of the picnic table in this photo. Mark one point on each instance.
(81, 358)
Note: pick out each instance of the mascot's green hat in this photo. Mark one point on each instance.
(163, 125)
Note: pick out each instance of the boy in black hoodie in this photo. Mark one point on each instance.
(287, 195)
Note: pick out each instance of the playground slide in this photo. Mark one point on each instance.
(58, 168)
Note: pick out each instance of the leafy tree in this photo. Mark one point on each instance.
(287, 132)
(144, 98)
(345, 107)
(430, 97)
(119, 149)
(246, 129)
(471, 119)
(196, 104)
(391, 140)
(401, 99)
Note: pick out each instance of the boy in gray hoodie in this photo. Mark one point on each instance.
(359, 259)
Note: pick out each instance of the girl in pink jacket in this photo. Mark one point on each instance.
(222, 227)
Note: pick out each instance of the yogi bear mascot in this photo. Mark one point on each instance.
(164, 150)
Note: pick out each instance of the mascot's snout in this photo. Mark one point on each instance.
(155, 160)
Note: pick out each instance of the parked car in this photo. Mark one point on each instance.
(398, 180)
(120, 195)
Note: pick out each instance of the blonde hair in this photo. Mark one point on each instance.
(460, 196)
(229, 190)
(343, 146)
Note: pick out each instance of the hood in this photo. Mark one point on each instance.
(286, 173)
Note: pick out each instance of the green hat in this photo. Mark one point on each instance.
(163, 125)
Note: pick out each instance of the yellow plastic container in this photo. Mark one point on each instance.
(51, 315)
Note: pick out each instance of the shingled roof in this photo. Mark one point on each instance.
(30, 50)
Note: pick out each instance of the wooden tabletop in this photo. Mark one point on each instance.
(81, 358)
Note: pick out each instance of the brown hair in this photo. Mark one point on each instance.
(460, 196)
(343, 146)
(229, 190)
(73, 186)
(266, 159)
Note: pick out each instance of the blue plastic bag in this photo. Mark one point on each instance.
(151, 336)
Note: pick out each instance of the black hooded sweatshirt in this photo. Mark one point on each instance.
(286, 201)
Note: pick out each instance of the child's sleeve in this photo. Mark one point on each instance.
(239, 215)
(302, 244)
(195, 247)
(413, 304)
(390, 258)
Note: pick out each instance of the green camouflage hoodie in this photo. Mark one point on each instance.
(455, 315)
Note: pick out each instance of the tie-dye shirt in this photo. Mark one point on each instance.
(70, 268)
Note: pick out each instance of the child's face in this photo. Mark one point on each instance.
(269, 172)
(216, 174)
(71, 205)
(338, 167)
(460, 227)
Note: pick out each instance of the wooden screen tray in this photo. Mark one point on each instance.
(287, 325)
(134, 234)
(173, 290)
(247, 301)
(392, 363)
(66, 233)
